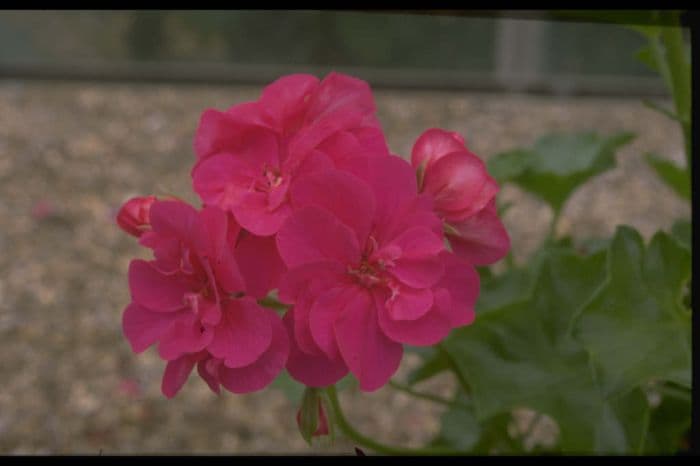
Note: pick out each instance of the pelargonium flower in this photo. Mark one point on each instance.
(464, 195)
(190, 300)
(368, 272)
(133, 215)
(250, 155)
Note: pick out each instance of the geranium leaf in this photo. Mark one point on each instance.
(636, 327)
(674, 176)
(521, 355)
(558, 163)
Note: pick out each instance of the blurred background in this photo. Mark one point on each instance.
(99, 106)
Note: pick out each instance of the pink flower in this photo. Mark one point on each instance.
(368, 271)
(133, 216)
(190, 300)
(249, 156)
(464, 195)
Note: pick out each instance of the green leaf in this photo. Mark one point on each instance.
(658, 108)
(668, 422)
(433, 364)
(681, 231)
(645, 55)
(511, 286)
(521, 355)
(558, 163)
(636, 327)
(674, 176)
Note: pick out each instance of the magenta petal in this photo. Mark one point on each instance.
(409, 303)
(340, 193)
(427, 330)
(173, 218)
(302, 326)
(185, 335)
(208, 369)
(418, 273)
(462, 283)
(371, 356)
(312, 234)
(221, 180)
(339, 94)
(314, 370)
(287, 97)
(260, 264)
(143, 327)
(154, 290)
(482, 238)
(418, 242)
(392, 180)
(243, 334)
(209, 235)
(326, 309)
(459, 183)
(222, 131)
(253, 213)
(433, 144)
(266, 367)
(227, 272)
(176, 374)
(314, 275)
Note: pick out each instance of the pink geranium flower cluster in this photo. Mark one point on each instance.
(302, 198)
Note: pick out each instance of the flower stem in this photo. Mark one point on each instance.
(426, 396)
(367, 442)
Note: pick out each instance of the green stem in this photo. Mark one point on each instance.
(367, 442)
(426, 396)
(551, 235)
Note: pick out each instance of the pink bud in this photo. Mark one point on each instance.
(322, 428)
(133, 216)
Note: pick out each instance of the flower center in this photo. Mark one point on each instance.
(271, 178)
(370, 271)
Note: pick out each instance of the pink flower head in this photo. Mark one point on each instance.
(464, 195)
(190, 300)
(133, 216)
(249, 156)
(368, 271)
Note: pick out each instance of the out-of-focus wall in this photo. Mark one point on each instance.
(391, 49)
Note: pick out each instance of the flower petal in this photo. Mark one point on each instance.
(243, 334)
(433, 144)
(312, 234)
(427, 330)
(482, 238)
(326, 309)
(266, 367)
(371, 356)
(254, 214)
(176, 374)
(208, 369)
(313, 370)
(260, 264)
(222, 180)
(409, 303)
(460, 184)
(173, 218)
(185, 335)
(461, 281)
(345, 196)
(143, 327)
(418, 273)
(153, 290)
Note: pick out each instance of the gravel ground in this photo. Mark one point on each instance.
(70, 153)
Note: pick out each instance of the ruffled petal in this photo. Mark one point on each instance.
(254, 214)
(311, 369)
(185, 335)
(312, 234)
(482, 238)
(265, 368)
(369, 354)
(243, 334)
(154, 290)
(433, 144)
(143, 327)
(176, 374)
(260, 264)
(409, 303)
(461, 281)
(345, 196)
